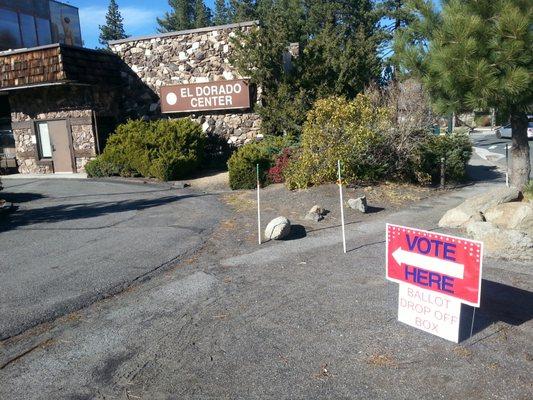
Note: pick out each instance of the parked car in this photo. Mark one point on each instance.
(506, 131)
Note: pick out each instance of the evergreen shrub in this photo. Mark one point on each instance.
(455, 148)
(242, 164)
(163, 149)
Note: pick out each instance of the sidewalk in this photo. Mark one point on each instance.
(57, 175)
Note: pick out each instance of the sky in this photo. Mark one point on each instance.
(139, 16)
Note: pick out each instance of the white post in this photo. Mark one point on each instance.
(342, 205)
(507, 165)
(258, 207)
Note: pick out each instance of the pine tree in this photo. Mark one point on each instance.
(221, 13)
(243, 10)
(114, 26)
(181, 16)
(337, 54)
(185, 14)
(476, 54)
(396, 15)
(202, 14)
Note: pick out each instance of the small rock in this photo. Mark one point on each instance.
(316, 213)
(358, 203)
(181, 185)
(278, 228)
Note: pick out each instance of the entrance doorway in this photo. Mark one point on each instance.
(8, 163)
(54, 143)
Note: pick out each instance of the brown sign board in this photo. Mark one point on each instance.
(208, 96)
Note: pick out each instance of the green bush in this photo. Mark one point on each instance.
(242, 164)
(338, 129)
(163, 149)
(99, 168)
(456, 149)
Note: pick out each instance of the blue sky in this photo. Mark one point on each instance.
(139, 16)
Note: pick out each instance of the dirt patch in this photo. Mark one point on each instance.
(276, 200)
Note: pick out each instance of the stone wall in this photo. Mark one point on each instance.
(193, 56)
(75, 104)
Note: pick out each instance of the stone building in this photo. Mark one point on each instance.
(187, 57)
(64, 101)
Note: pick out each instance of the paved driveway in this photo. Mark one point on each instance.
(72, 242)
(490, 148)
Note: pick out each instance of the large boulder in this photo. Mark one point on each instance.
(469, 210)
(516, 215)
(505, 243)
(278, 228)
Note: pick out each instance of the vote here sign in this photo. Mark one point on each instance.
(440, 263)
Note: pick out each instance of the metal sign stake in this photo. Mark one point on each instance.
(342, 205)
(258, 207)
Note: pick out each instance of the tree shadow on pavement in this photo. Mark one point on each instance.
(499, 303)
(23, 197)
(66, 212)
(484, 173)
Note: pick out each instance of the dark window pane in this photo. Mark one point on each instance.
(29, 35)
(9, 30)
(43, 31)
(65, 24)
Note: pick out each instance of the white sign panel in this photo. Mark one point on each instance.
(429, 311)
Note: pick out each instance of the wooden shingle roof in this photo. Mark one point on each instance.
(55, 64)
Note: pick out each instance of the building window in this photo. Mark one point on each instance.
(43, 31)
(9, 30)
(45, 148)
(29, 34)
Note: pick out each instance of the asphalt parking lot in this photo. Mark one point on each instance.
(72, 242)
(292, 319)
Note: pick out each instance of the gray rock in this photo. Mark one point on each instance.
(516, 215)
(358, 203)
(460, 215)
(316, 213)
(497, 242)
(181, 185)
(278, 228)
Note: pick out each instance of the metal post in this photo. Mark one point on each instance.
(258, 207)
(442, 173)
(507, 165)
(472, 325)
(342, 205)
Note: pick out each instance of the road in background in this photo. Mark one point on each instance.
(490, 148)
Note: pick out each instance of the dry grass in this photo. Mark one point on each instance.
(381, 360)
(239, 201)
(397, 193)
